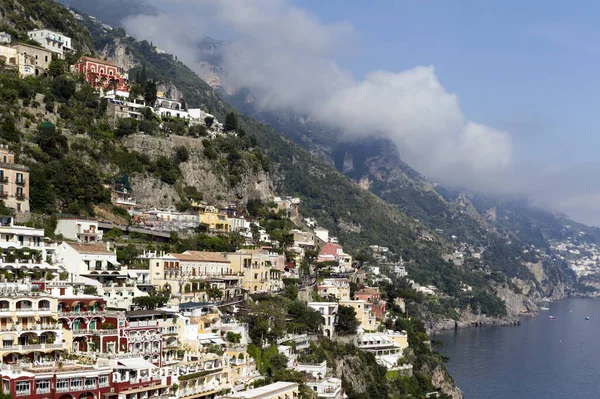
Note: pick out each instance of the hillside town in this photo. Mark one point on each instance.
(81, 320)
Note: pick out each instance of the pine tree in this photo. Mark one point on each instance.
(231, 122)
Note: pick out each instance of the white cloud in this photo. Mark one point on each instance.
(284, 56)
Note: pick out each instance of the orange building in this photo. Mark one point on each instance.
(14, 182)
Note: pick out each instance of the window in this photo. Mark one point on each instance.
(23, 388)
(103, 380)
(46, 58)
(42, 386)
(98, 264)
(76, 384)
(62, 385)
(19, 178)
(7, 343)
(19, 192)
(90, 382)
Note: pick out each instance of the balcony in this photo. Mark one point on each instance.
(20, 182)
(3, 194)
(41, 391)
(62, 389)
(3, 179)
(21, 197)
(33, 347)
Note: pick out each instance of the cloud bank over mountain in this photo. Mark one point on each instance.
(286, 57)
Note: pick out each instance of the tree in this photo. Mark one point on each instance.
(90, 290)
(64, 87)
(287, 240)
(150, 91)
(233, 337)
(278, 362)
(214, 293)
(152, 301)
(113, 234)
(50, 140)
(57, 67)
(183, 104)
(231, 122)
(126, 127)
(8, 129)
(208, 121)
(181, 155)
(347, 323)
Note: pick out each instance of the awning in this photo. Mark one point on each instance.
(136, 364)
(218, 341)
(8, 336)
(132, 274)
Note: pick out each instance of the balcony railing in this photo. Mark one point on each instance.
(33, 327)
(62, 389)
(20, 182)
(3, 179)
(87, 313)
(33, 347)
(3, 194)
(21, 197)
(41, 391)
(92, 332)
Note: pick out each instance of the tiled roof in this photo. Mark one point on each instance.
(201, 256)
(99, 249)
(96, 60)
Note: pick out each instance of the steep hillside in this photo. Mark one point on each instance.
(355, 215)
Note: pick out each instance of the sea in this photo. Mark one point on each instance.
(542, 358)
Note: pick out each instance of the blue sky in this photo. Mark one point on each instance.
(527, 67)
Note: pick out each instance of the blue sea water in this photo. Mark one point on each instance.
(541, 359)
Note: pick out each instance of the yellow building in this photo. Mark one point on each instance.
(187, 275)
(364, 314)
(202, 376)
(213, 219)
(278, 390)
(27, 324)
(14, 182)
(338, 287)
(261, 270)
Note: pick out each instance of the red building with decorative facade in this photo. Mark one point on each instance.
(101, 74)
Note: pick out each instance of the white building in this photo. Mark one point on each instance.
(386, 346)
(239, 224)
(399, 270)
(329, 312)
(322, 234)
(316, 370)
(15, 237)
(79, 229)
(327, 388)
(5, 38)
(91, 260)
(167, 107)
(281, 389)
(50, 40)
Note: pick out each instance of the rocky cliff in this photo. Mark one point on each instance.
(198, 171)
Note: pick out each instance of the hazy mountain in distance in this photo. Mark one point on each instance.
(111, 12)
